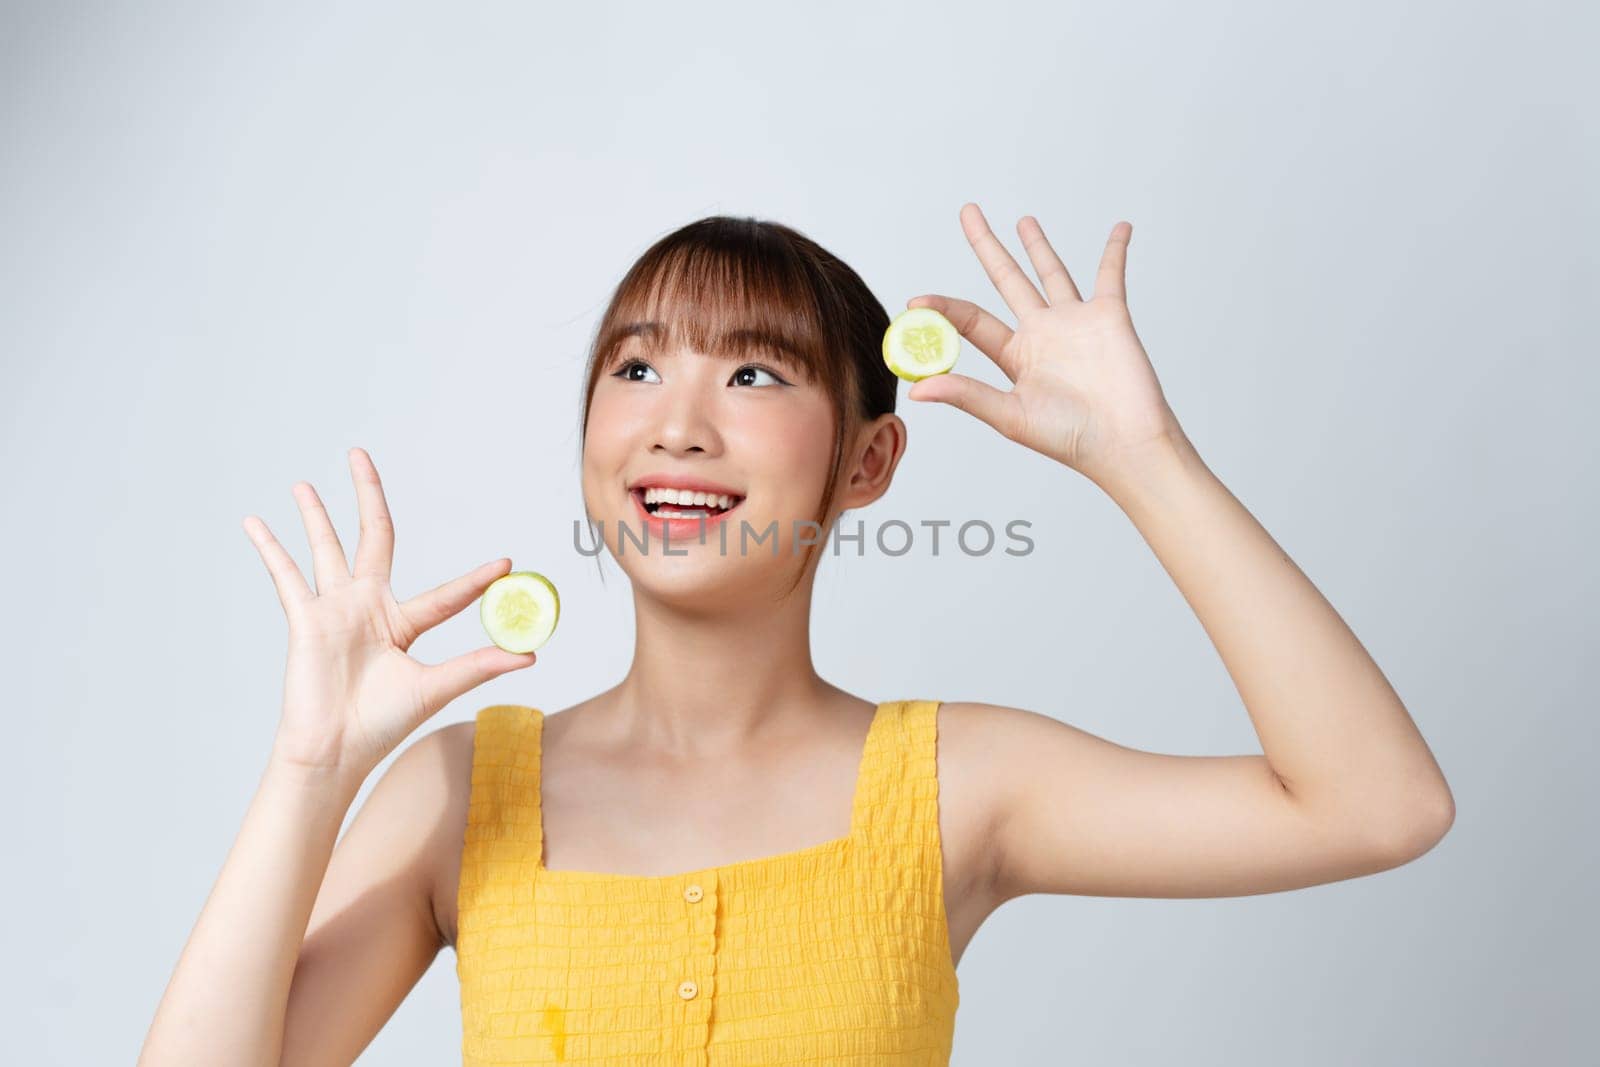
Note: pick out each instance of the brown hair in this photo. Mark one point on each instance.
(759, 287)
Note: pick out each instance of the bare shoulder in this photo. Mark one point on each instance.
(970, 775)
(448, 792)
(426, 792)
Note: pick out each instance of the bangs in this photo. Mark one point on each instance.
(743, 297)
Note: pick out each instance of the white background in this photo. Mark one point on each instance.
(236, 240)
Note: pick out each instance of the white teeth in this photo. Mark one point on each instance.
(687, 497)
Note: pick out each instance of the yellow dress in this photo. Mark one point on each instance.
(837, 953)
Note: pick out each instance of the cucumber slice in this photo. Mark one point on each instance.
(519, 610)
(920, 343)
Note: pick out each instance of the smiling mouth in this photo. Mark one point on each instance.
(663, 509)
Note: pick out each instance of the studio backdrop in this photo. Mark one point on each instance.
(241, 239)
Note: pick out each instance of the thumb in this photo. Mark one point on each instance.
(443, 682)
(978, 399)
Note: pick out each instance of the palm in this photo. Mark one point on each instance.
(1083, 389)
(352, 642)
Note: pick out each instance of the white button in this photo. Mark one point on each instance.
(692, 893)
(687, 990)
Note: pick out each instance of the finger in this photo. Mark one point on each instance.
(443, 682)
(1112, 280)
(981, 400)
(1058, 284)
(988, 334)
(1014, 286)
(427, 610)
(327, 554)
(375, 549)
(286, 576)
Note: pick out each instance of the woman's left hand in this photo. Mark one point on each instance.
(1083, 390)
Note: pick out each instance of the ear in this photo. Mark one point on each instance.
(871, 463)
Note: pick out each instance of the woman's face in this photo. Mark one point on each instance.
(747, 423)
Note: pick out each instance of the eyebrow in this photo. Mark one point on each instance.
(736, 339)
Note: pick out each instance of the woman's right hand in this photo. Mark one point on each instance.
(351, 693)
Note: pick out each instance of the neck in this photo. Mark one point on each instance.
(709, 681)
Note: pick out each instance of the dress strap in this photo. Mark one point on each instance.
(897, 797)
(503, 817)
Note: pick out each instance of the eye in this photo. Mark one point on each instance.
(742, 375)
(626, 373)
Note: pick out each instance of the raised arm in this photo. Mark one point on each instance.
(1345, 784)
(298, 958)
(374, 930)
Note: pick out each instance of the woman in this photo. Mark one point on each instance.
(725, 858)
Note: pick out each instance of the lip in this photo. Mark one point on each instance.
(677, 530)
(681, 481)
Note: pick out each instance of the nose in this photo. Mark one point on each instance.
(686, 421)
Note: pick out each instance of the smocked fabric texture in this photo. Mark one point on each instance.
(838, 953)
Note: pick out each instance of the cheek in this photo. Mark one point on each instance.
(790, 446)
(603, 409)
(609, 419)
(605, 447)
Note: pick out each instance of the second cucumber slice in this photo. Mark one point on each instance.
(519, 610)
(920, 343)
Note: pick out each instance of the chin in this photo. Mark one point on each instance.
(700, 582)
(700, 573)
